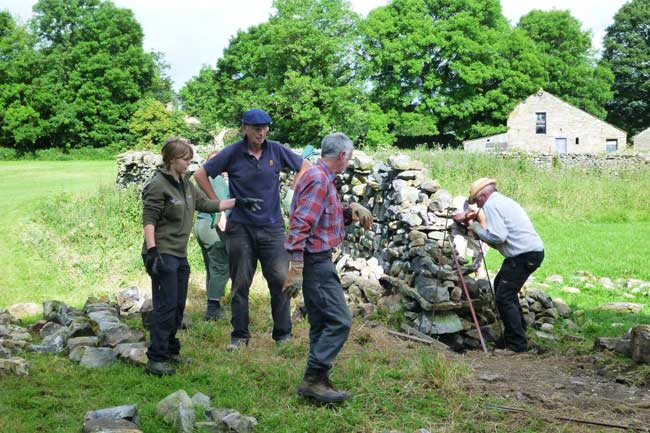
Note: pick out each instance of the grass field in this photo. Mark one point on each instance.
(36, 265)
(67, 234)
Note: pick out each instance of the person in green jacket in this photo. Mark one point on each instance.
(209, 230)
(169, 200)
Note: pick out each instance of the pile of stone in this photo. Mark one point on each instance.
(635, 343)
(13, 340)
(94, 336)
(179, 410)
(135, 168)
(118, 419)
(404, 262)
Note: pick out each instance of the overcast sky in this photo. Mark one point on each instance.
(192, 33)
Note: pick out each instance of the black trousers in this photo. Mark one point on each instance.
(169, 293)
(329, 317)
(246, 245)
(511, 277)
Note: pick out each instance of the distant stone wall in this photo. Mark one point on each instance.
(588, 161)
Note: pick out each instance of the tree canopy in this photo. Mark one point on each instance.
(83, 72)
(300, 66)
(627, 52)
(448, 69)
(569, 60)
(413, 71)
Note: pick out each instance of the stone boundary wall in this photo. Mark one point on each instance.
(614, 162)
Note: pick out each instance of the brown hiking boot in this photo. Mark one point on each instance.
(320, 389)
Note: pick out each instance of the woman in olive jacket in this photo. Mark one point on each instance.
(169, 201)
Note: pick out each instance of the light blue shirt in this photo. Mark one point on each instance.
(509, 229)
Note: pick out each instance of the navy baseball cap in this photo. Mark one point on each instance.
(256, 117)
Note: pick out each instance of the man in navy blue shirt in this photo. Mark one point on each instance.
(253, 166)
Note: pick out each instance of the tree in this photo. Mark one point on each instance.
(20, 122)
(299, 66)
(199, 96)
(567, 56)
(446, 70)
(627, 52)
(94, 71)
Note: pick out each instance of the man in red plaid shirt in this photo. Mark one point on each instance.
(315, 228)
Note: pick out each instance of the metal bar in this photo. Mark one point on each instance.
(462, 281)
(466, 290)
(564, 418)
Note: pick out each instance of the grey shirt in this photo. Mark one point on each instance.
(509, 229)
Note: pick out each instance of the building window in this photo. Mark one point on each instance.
(540, 123)
(611, 145)
(577, 140)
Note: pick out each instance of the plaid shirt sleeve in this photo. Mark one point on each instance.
(306, 209)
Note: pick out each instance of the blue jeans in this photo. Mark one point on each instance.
(169, 293)
(246, 245)
(511, 277)
(329, 317)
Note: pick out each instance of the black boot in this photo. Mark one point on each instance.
(213, 312)
(160, 368)
(319, 387)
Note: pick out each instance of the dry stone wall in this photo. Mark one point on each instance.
(615, 162)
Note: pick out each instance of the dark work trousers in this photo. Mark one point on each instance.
(169, 293)
(511, 278)
(329, 317)
(246, 245)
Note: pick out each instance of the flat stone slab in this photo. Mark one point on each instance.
(622, 307)
(14, 365)
(26, 309)
(97, 357)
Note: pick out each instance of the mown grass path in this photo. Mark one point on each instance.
(23, 185)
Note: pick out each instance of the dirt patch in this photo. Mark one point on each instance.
(559, 385)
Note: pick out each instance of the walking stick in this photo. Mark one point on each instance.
(462, 282)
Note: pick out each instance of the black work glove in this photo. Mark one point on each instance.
(252, 204)
(154, 263)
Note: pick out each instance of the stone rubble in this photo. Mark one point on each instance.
(178, 409)
(94, 336)
(118, 419)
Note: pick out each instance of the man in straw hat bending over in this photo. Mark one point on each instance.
(509, 230)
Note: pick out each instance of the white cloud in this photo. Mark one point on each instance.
(191, 33)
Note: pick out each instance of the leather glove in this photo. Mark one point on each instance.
(293, 284)
(361, 214)
(252, 204)
(286, 202)
(154, 263)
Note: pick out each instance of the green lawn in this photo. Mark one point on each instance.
(36, 266)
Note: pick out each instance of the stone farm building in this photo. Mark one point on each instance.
(642, 141)
(544, 123)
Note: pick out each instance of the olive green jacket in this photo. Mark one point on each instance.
(169, 206)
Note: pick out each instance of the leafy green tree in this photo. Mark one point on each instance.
(152, 124)
(627, 52)
(300, 66)
(199, 96)
(94, 72)
(20, 122)
(446, 70)
(569, 60)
